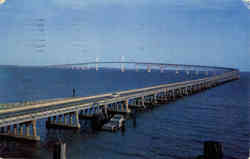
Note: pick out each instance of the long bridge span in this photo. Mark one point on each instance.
(19, 120)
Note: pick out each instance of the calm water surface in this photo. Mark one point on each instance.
(173, 131)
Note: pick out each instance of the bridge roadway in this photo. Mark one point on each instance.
(32, 113)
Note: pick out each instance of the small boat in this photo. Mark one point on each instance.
(119, 119)
(111, 126)
(115, 123)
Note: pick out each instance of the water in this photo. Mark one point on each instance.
(173, 131)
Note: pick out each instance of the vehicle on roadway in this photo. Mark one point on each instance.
(115, 95)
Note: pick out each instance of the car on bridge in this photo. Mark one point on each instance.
(115, 95)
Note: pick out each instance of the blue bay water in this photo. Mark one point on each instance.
(173, 131)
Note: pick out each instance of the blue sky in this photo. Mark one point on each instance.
(203, 32)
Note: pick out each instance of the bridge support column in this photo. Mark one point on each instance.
(21, 129)
(155, 99)
(142, 101)
(148, 68)
(96, 65)
(15, 129)
(174, 94)
(34, 128)
(18, 132)
(122, 68)
(77, 120)
(136, 68)
(64, 123)
(71, 119)
(106, 109)
(8, 129)
(27, 131)
(127, 108)
(161, 68)
(122, 106)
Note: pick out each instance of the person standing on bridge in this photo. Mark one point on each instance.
(74, 92)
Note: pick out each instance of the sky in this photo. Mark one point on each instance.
(200, 32)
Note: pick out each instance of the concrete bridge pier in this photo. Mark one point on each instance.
(182, 92)
(121, 107)
(170, 95)
(136, 68)
(155, 99)
(105, 109)
(62, 121)
(148, 68)
(176, 93)
(8, 129)
(177, 72)
(27, 129)
(135, 104)
(162, 98)
(173, 95)
(142, 102)
(96, 67)
(77, 119)
(18, 133)
(122, 67)
(126, 106)
(138, 103)
(188, 91)
(166, 97)
(21, 127)
(15, 129)
(161, 68)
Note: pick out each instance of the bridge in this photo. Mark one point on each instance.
(19, 120)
